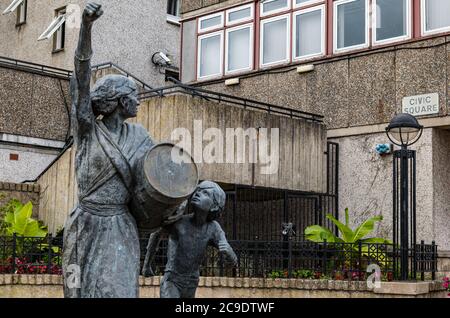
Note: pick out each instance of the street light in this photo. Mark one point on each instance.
(404, 130)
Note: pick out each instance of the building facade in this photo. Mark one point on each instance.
(130, 32)
(37, 46)
(358, 63)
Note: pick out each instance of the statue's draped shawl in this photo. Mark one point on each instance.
(100, 238)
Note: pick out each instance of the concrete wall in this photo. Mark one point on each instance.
(160, 116)
(128, 34)
(31, 162)
(21, 42)
(441, 186)
(353, 90)
(33, 105)
(22, 192)
(50, 286)
(365, 184)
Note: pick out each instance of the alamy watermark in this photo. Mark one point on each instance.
(252, 145)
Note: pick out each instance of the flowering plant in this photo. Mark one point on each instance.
(446, 284)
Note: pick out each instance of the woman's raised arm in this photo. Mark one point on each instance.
(81, 86)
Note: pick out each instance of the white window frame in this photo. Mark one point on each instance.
(199, 45)
(423, 11)
(261, 8)
(174, 19)
(22, 6)
(252, 14)
(310, 2)
(12, 6)
(207, 17)
(288, 44)
(390, 40)
(250, 52)
(322, 32)
(53, 27)
(353, 47)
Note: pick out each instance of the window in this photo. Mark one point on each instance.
(302, 3)
(350, 25)
(210, 55)
(173, 11)
(309, 32)
(274, 6)
(239, 49)
(435, 16)
(240, 14)
(13, 6)
(274, 40)
(22, 13)
(210, 22)
(391, 20)
(56, 24)
(59, 36)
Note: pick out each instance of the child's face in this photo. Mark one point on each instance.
(203, 199)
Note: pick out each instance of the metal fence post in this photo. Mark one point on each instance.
(50, 253)
(434, 262)
(14, 254)
(421, 262)
(290, 257)
(359, 258)
(324, 257)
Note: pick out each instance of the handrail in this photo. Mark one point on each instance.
(178, 87)
(124, 72)
(34, 67)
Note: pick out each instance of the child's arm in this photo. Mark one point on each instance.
(222, 244)
(152, 248)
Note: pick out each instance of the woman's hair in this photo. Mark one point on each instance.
(108, 90)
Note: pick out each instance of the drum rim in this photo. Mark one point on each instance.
(195, 165)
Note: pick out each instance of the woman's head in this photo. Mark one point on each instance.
(114, 91)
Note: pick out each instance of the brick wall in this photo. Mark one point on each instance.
(21, 192)
(44, 286)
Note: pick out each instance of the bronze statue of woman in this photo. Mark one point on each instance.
(101, 242)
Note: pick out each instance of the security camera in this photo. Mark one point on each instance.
(161, 59)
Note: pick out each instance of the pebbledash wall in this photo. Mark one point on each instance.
(127, 34)
(34, 121)
(358, 93)
(50, 286)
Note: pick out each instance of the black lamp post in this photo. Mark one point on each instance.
(404, 130)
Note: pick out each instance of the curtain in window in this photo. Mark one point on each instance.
(239, 49)
(308, 33)
(437, 14)
(351, 19)
(210, 56)
(274, 38)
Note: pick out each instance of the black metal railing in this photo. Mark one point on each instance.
(309, 260)
(264, 259)
(228, 99)
(30, 255)
(34, 68)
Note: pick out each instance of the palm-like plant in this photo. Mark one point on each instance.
(18, 221)
(317, 233)
(355, 239)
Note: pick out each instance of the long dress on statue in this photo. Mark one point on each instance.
(100, 236)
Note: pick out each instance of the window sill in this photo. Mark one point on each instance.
(57, 51)
(173, 20)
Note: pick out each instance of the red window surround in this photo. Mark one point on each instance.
(415, 32)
